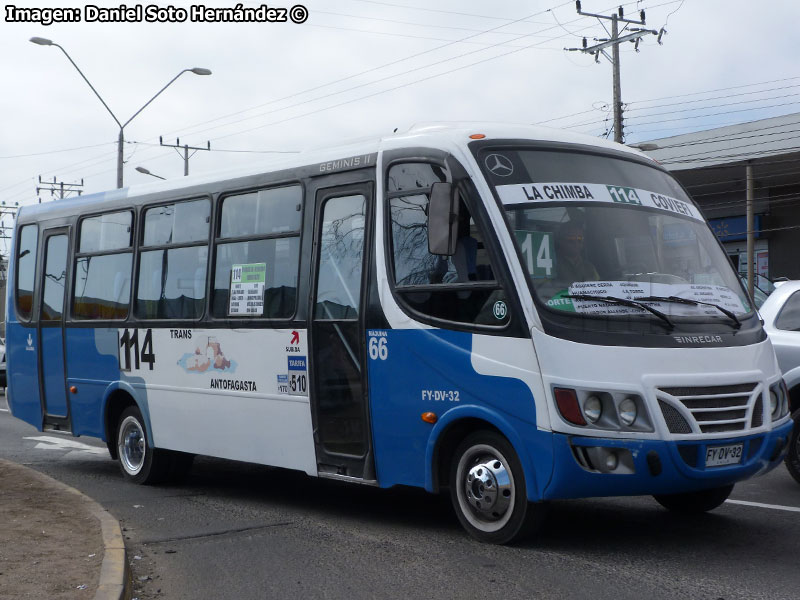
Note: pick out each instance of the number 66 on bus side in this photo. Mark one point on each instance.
(377, 348)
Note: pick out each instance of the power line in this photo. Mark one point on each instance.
(428, 25)
(630, 104)
(727, 96)
(393, 76)
(426, 37)
(727, 112)
(435, 10)
(58, 187)
(449, 43)
(509, 22)
(732, 137)
(375, 81)
(226, 149)
(420, 80)
(387, 90)
(725, 89)
(56, 151)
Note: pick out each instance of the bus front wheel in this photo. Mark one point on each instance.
(695, 502)
(487, 488)
(138, 461)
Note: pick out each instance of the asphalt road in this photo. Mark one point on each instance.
(240, 531)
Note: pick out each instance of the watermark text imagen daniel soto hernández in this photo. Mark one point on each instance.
(154, 13)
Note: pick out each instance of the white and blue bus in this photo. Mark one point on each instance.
(512, 314)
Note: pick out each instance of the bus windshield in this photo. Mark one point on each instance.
(604, 236)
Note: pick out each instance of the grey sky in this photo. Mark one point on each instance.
(359, 67)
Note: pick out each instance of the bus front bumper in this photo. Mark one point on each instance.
(589, 466)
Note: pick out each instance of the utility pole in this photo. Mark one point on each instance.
(637, 33)
(186, 156)
(59, 187)
(750, 227)
(5, 236)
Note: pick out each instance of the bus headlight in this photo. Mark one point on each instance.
(628, 411)
(593, 409)
(774, 404)
(778, 400)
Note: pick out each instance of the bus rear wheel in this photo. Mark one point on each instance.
(138, 461)
(487, 488)
(695, 502)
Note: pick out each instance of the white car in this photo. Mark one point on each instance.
(781, 314)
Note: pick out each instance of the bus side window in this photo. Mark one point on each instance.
(260, 230)
(173, 261)
(26, 270)
(460, 293)
(103, 267)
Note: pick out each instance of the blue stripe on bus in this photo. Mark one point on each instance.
(93, 369)
(23, 373)
(675, 476)
(427, 370)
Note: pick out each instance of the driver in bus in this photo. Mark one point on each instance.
(571, 264)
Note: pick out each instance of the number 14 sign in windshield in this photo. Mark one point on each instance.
(537, 252)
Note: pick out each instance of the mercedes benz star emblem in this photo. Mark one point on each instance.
(499, 165)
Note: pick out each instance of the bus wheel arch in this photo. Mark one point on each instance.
(446, 445)
(453, 428)
(116, 403)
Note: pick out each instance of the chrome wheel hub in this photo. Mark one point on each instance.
(131, 445)
(488, 488)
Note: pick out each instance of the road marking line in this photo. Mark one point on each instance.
(46, 442)
(4, 410)
(760, 505)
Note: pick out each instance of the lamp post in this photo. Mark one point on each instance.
(146, 172)
(121, 139)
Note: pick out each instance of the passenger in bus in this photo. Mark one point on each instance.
(571, 264)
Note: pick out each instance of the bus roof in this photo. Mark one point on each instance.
(441, 135)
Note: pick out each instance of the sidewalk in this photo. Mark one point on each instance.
(56, 542)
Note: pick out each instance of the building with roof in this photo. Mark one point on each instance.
(712, 165)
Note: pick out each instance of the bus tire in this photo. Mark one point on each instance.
(487, 488)
(138, 461)
(793, 454)
(695, 502)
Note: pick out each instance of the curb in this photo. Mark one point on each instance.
(115, 575)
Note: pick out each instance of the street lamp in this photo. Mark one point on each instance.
(146, 172)
(121, 139)
(645, 146)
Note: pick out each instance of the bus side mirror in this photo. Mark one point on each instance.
(442, 219)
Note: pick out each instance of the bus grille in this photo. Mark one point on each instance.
(714, 409)
(758, 414)
(675, 421)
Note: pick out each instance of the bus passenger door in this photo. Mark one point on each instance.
(339, 403)
(51, 330)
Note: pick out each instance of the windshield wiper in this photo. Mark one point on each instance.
(624, 302)
(692, 302)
